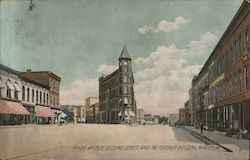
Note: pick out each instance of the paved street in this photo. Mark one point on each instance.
(94, 141)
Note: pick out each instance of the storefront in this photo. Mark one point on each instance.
(12, 113)
(44, 115)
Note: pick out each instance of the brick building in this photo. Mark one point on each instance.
(182, 117)
(24, 97)
(90, 104)
(220, 93)
(48, 79)
(116, 93)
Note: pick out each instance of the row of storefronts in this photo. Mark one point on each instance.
(24, 100)
(220, 93)
(14, 113)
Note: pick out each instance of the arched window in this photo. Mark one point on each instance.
(125, 101)
(36, 96)
(9, 88)
(33, 95)
(47, 99)
(40, 97)
(28, 94)
(1, 86)
(23, 93)
(44, 98)
(16, 90)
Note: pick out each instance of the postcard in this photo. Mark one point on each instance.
(124, 79)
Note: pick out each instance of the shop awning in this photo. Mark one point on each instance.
(44, 112)
(8, 107)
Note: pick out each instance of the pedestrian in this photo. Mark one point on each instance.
(201, 126)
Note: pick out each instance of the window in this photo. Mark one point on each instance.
(33, 95)
(28, 94)
(246, 82)
(246, 40)
(47, 99)
(44, 98)
(238, 44)
(40, 97)
(17, 89)
(239, 81)
(9, 88)
(125, 79)
(125, 90)
(51, 99)
(23, 93)
(1, 86)
(36, 96)
(125, 101)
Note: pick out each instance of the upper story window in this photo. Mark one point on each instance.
(246, 40)
(32, 95)
(23, 93)
(9, 88)
(36, 96)
(47, 99)
(125, 79)
(1, 86)
(16, 90)
(125, 101)
(40, 97)
(125, 90)
(44, 98)
(28, 94)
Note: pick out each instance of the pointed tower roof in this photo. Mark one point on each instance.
(124, 54)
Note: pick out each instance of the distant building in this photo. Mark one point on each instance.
(187, 113)
(148, 118)
(173, 118)
(90, 103)
(140, 116)
(116, 93)
(156, 119)
(182, 116)
(74, 112)
(96, 113)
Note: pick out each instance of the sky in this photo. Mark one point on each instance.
(80, 40)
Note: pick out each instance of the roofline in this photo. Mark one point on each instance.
(109, 76)
(34, 82)
(50, 73)
(10, 69)
(218, 45)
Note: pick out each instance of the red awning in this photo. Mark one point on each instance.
(8, 107)
(44, 112)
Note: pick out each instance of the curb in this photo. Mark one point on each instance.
(207, 140)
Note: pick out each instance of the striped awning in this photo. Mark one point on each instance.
(8, 107)
(42, 111)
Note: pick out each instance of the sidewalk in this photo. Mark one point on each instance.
(220, 137)
(27, 125)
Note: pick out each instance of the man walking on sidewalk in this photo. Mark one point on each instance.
(201, 127)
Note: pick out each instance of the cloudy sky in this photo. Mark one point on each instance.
(79, 40)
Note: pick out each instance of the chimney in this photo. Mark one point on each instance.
(28, 70)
